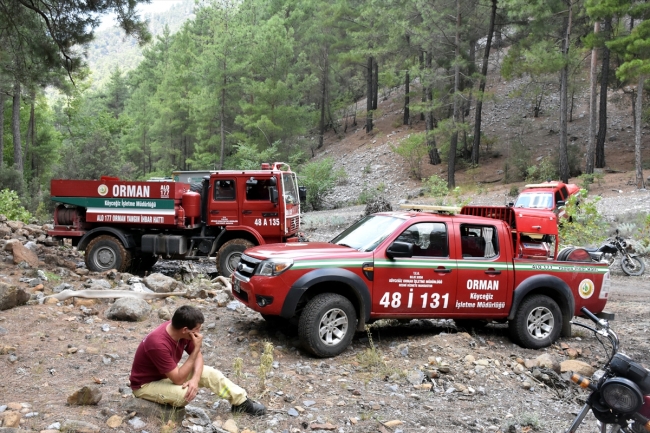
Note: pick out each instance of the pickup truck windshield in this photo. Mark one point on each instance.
(535, 200)
(367, 233)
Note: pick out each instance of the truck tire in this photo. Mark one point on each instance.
(537, 322)
(327, 325)
(107, 252)
(229, 255)
(632, 267)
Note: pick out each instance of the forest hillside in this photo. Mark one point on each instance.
(443, 94)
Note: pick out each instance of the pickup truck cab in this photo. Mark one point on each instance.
(548, 195)
(488, 263)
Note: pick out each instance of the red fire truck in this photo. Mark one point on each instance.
(128, 225)
(484, 264)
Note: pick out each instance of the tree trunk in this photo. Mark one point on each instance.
(424, 92)
(602, 109)
(407, 83)
(2, 128)
(29, 138)
(222, 120)
(451, 168)
(564, 79)
(640, 182)
(323, 102)
(593, 111)
(375, 85)
(434, 155)
(481, 88)
(15, 128)
(369, 88)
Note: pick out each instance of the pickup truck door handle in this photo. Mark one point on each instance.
(214, 212)
(247, 212)
(442, 270)
(493, 271)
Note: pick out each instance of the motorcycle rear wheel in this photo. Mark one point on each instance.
(632, 266)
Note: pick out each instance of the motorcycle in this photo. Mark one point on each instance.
(620, 391)
(631, 264)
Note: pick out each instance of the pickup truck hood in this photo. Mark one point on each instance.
(302, 251)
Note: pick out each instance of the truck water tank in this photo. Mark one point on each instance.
(192, 204)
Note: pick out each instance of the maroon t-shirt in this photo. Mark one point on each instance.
(157, 355)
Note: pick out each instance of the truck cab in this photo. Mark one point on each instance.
(548, 195)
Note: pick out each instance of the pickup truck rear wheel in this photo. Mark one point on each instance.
(537, 323)
(229, 255)
(327, 325)
(107, 252)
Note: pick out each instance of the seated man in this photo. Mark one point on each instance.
(156, 376)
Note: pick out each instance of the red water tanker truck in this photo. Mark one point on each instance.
(129, 225)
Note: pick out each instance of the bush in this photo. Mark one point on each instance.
(413, 149)
(514, 191)
(584, 226)
(587, 179)
(11, 208)
(320, 178)
(542, 172)
(436, 186)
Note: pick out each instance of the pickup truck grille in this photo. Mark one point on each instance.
(247, 265)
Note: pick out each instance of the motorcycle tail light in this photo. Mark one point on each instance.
(622, 395)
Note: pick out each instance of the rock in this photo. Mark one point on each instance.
(230, 426)
(579, 367)
(393, 423)
(11, 418)
(137, 423)
(128, 309)
(88, 395)
(74, 426)
(222, 298)
(292, 412)
(199, 413)
(115, 421)
(22, 254)
(377, 204)
(151, 410)
(160, 283)
(547, 361)
(15, 225)
(164, 314)
(11, 296)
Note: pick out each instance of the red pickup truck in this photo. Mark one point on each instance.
(489, 263)
(547, 195)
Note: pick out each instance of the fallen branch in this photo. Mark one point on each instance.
(110, 294)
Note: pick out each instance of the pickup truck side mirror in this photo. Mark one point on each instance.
(560, 203)
(273, 191)
(400, 249)
(302, 194)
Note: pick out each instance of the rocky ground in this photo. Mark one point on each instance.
(425, 376)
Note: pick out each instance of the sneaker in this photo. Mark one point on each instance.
(250, 407)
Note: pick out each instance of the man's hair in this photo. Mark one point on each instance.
(187, 316)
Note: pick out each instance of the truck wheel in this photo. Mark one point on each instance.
(229, 255)
(537, 323)
(633, 266)
(327, 325)
(106, 252)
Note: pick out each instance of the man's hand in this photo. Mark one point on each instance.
(192, 386)
(197, 339)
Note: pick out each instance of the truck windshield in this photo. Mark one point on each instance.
(290, 188)
(367, 233)
(535, 200)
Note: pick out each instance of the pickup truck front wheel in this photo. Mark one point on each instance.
(537, 323)
(327, 325)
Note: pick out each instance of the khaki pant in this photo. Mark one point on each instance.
(165, 391)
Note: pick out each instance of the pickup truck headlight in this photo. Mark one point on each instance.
(273, 267)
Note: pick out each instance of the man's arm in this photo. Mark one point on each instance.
(179, 374)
